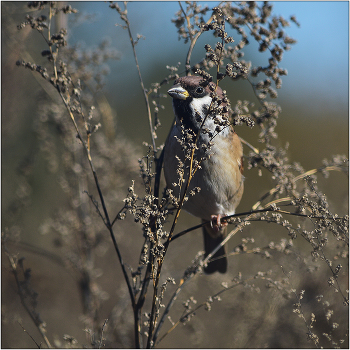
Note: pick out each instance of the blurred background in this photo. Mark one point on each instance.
(314, 121)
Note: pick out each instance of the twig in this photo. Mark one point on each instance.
(102, 331)
(299, 310)
(193, 39)
(25, 331)
(133, 44)
(274, 190)
(105, 211)
(37, 321)
(168, 307)
(192, 312)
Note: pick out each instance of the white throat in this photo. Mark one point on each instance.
(201, 106)
(198, 104)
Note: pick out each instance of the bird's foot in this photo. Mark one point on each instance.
(217, 224)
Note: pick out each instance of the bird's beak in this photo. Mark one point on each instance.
(177, 91)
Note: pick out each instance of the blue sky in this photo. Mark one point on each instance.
(317, 65)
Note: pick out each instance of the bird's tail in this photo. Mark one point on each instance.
(218, 262)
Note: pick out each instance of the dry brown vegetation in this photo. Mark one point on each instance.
(113, 259)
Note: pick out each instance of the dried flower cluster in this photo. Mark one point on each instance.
(95, 175)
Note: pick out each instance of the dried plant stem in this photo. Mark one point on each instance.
(274, 190)
(299, 309)
(166, 245)
(35, 319)
(145, 95)
(154, 211)
(193, 39)
(102, 331)
(191, 173)
(201, 305)
(105, 211)
(25, 331)
(254, 149)
(167, 309)
(53, 55)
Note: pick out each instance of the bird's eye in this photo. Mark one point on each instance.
(199, 90)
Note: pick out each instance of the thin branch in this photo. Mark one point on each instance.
(193, 39)
(25, 331)
(105, 211)
(34, 316)
(203, 304)
(102, 331)
(95, 204)
(183, 283)
(274, 190)
(133, 44)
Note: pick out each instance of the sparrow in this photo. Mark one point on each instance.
(216, 187)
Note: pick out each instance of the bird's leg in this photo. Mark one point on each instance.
(216, 223)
